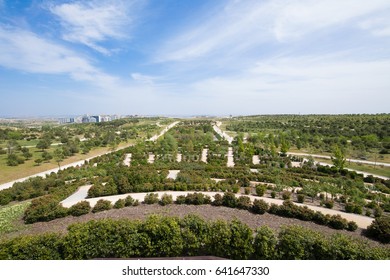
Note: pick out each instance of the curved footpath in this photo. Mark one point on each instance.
(348, 159)
(78, 163)
(81, 194)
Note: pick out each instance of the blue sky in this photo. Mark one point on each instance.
(194, 57)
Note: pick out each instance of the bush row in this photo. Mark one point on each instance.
(160, 236)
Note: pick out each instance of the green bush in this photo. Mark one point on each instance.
(244, 202)
(120, 203)
(265, 244)
(217, 200)
(229, 200)
(151, 198)
(259, 206)
(298, 243)
(338, 222)
(101, 205)
(80, 208)
(195, 235)
(166, 199)
(197, 199)
(260, 190)
(329, 204)
(301, 198)
(247, 190)
(380, 229)
(129, 201)
(352, 226)
(286, 195)
(106, 239)
(165, 236)
(44, 209)
(39, 247)
(181, 199)
(273, 194)
(241, 241)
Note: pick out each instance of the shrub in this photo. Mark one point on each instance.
(352, 226)
(166, 199)
(378, 212)
(44, 209)
(229, 200)
(129, 201)
(265, 244)
(195, 235)
(301, 198)
(273, 194)
(217, 200)
(260, 190)
(151, 198)
(80, 208)
(244, 202)
(197, 199)
(136, 202)
(181, 199)
(241, 241)
(338, 222)
(101, 205)
(39, 247)
(320, 218)
(248, 190)
(380, 229)
(353, 208)
(259, 206)
(298, 243)
(219, 239)
(329, 204)
(120, 203)
(105, 239)
(165, 236)
(286, 195)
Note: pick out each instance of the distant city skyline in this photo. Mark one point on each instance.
(184, 58)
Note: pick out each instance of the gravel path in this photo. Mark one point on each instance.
(230, 158)
(204, 155)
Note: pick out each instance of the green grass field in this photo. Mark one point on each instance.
(9, 215)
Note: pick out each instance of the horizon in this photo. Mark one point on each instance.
(144, 57)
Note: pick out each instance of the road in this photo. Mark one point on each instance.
(77, 163)
(348, 159)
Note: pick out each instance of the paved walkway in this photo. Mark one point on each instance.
(361, 221)
(348, 159)
(223, 134)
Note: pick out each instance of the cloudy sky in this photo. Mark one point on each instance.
(194, 57)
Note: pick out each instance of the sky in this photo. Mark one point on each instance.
(198, 57)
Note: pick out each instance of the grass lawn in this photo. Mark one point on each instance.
(10, 173)
(9, 215)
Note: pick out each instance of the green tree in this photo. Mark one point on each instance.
(338, 158)
(58, 156)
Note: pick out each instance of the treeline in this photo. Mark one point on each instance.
(160, 236)
(360, 132)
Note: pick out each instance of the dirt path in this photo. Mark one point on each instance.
(223, 134)
(204, 155)
(230, 157)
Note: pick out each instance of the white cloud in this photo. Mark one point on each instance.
(26, 51)
(93, 22)
(379, 26)
(244, 25)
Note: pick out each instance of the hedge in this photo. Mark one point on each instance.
(160, 236)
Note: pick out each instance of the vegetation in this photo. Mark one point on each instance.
(160, 236)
